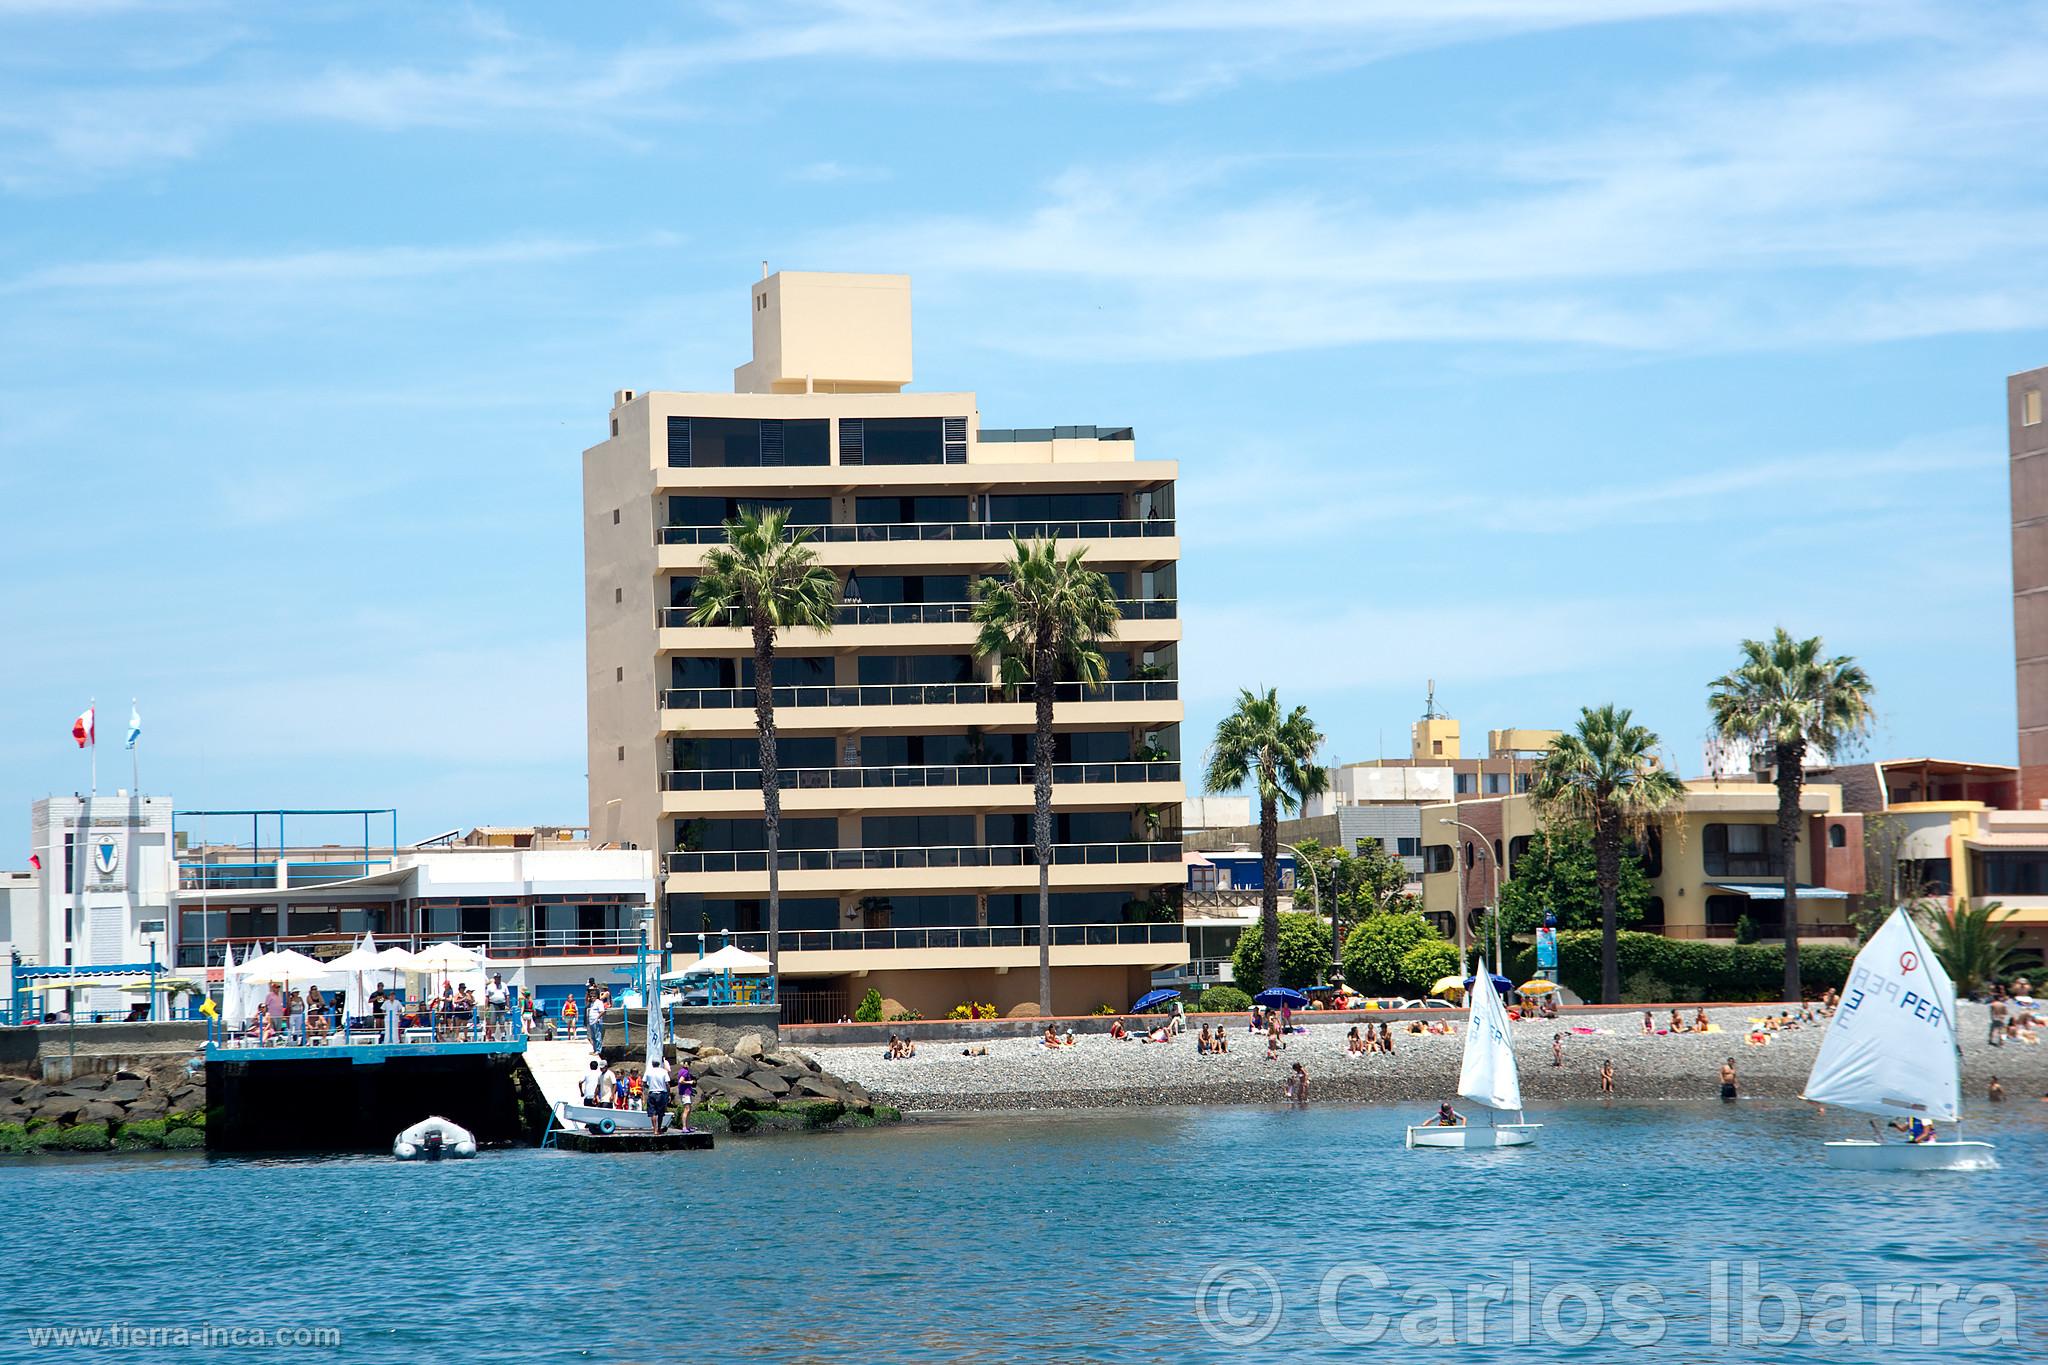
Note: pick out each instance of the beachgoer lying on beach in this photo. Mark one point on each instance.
(1417, 1026)
(974, 1051)
(1162, 1034)
(1445, 1117)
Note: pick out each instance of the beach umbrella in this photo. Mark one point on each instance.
(1537, 987)
(1273, 997)
(1151, 998)
(286, 965)
(1500, 983)
(450, 957)
(1448, 984)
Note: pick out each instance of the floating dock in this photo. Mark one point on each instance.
(695, 1140)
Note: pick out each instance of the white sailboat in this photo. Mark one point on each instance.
(1487, 1077)
(1891, 1051)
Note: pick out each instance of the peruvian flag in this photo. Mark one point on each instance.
(81, 729)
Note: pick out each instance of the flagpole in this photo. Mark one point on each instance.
(92, 742)
(134, 757)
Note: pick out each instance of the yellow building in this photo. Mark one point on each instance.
(1709, 865)
(906, 859)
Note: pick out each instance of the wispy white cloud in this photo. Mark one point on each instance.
(837, 172)
(300, 268)
(487, 74)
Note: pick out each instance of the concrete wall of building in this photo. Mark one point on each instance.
(619, 621)
(2027, 441)
(933, 993)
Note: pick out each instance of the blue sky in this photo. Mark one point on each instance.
(1542, 347)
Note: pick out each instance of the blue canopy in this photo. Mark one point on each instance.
(1273, 997)
(1500, 983)
(1151, 998)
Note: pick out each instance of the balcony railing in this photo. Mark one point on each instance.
(936, 775)
(938, 856)
(839, 532)
(931, 613)
(911, 940)
(915, 694)
(516, 943)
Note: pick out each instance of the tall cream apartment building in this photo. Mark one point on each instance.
(906, 862)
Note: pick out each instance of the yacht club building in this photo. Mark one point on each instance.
(906, 863)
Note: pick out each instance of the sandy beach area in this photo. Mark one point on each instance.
(1101, 1072)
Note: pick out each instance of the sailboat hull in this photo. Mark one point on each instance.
(1474, 1135)
(1861, 1154)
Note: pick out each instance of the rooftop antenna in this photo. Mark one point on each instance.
(764, 270)
(1429, 711)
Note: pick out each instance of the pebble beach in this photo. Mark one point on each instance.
(1101, 1072)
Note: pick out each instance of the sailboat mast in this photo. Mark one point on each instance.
(1955, 1045)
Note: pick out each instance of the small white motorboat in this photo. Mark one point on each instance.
(1487, 1076)
(1891, 1051)
(433, 1138)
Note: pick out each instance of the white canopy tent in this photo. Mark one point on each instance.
(366, 971)
(727, 959)
(286, 966)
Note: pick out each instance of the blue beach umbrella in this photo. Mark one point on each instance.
(1273, 997)
(1500, 983)
(1151, 998)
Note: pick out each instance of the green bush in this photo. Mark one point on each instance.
(869, 1010)
(14, 1138)
(1107, 1009)
(184, 1139)
(1657, 968)
(1426, 963)
(1223, 1000)
(1374, 949)
(1304, 952)
(905, 1017)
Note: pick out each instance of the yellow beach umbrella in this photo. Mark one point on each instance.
(1449, 985)
(1537, 987)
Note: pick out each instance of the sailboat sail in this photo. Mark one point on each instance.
(655, 1023)
(1891, 1047)
(1488, 1075)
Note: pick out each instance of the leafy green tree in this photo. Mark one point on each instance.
(1370, 881)
(765, 578)
(1973, 943)
(869, 1010)
(1045, 614)
(1373, 952)
(1304, 953)
(1785, 698)
(1427, 963)
(1275, 751)
(1558, 875)
(1603, 773)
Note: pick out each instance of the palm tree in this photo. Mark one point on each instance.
(1971, 942)
(1257, 742)
(1789, 697)
(1604, 774)
(1049, 613)
(766, 578)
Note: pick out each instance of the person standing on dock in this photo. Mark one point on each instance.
(656, 1082)
(496, 1001)
(587, 1083)
(594, 1016)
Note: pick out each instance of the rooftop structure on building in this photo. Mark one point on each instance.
(905, 836)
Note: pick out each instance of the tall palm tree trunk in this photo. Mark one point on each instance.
(1791, 775)
(1269, 893)
(1043, 675)
(1607, 876)
(771, 790)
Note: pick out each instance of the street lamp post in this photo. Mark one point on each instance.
(1493, 858)
(1302, 864)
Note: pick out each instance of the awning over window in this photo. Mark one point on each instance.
(1775, 891)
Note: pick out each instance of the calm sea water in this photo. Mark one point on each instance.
(1112, 1236)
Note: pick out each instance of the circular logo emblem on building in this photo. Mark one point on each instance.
(106, 857)
(1908, 960)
